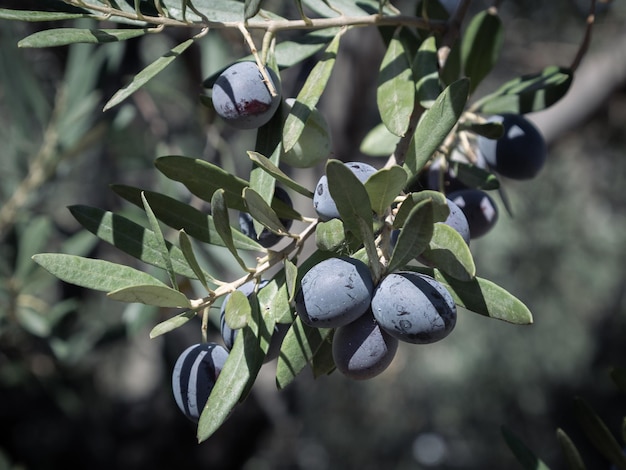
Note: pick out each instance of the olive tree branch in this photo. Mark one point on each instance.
(263, 264)
(271, 25)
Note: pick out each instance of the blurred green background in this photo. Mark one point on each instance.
(80, 382)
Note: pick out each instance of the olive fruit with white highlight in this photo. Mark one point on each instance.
(479, 208)
(414, 307)
(519, 153)
(242, 98)
(334, 293)
(361, 349)
(322, 200)
(195, 373)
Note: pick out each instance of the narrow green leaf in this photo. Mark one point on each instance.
(237, 310)
(273, 299)
(491, 130)
(265, 163)
(159, 296)
(36, 16)
(435, 124)
(395, 94)
(426, 71)
(203, 179)
(93, 273)
(384, 186)
(350, 196)
(262, 212)
(222, 225)
(572, 456)
(239, 372)
(299, 346)
(187, 250)
(485, 298)
(251, 8)
(330, 235)
(160, 241)
(182, 216)
(172, 323)
(379, 142)
(448, 252)
(598, 433)
(65, 36)
(474, 177)
(129, 237)
(481, 45)
(440, 206)
(147, 74)
(309, 95)
(528, 93)
(524, 455)
(322, 362)
(414, 235)
(291, 278)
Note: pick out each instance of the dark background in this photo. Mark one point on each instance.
(81, 383)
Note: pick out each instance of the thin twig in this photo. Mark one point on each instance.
(582, 50)
(272, 25)
(255, 53)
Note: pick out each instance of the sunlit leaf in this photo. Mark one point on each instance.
(251, 8)
(65, 36)
(414, 236)
(93, 273)
(129, 237)
(435, 125)
(274, 299)
(278, 174)
(481, 45)
(426, 72)
(350, 197)
(159, 296)
(237, 310)
(148, 73)
(384, 186)
(291, 278)
(187, 250)
(395, 94)
(483, 297)
(379, 142)
(528, 93)
(239, 372)
(298, 348)
(222, 225)
(262, 212)
(448, 251)
(160, 241)
(181, 216)
(440, 206)
(309, 95)
(172, 323)
(36, 16)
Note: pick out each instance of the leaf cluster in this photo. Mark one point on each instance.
(426, 111)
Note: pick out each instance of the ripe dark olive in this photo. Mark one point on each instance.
(194, 376)
(334, 293)
(414, 307)
(242, 98)
(521, 151)
(479, 209)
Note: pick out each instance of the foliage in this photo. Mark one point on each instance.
(427, 112)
